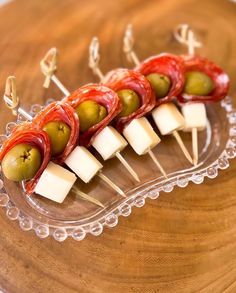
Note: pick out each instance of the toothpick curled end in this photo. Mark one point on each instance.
(184, 35)
(94, 58)
(10, 95)
(128, 45)
(49, 65)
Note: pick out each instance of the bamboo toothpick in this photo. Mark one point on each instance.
(159, 166)
(48, 67)
(195, 145)
(182, 146)
(10, 90)
(111, 184)
(12, 101)
(184, 35)
(127, 166)
(128, 45)
(94, 58)
(87, 197)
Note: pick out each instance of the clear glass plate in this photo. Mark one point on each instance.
(76, 217)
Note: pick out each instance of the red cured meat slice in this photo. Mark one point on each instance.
(25, 133)
(219, 77)
(103, 96)
(168, 65)
(63, 112)
(129, 79)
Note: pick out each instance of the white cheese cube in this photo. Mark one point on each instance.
(195, 116)
(141, 135)
(168, 118)
(55, 182)
(83, 163)
(108, 142)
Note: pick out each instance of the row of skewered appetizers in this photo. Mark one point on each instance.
(46, 152)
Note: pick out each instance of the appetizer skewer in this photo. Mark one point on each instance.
(194, 114)
(165, 74)
(63, 138)
(204, 81)
(91, 113)
(137, 99)
(77, 158)
(25, 157)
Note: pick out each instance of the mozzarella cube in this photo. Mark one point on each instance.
(108, 142)
(168, 118)
(83, 163)
(195, 116)
(55, 182)
(141, 135)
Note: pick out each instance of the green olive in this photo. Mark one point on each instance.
(21, 163)
(59, 134)
(130, 102)
(90, 113)
(160, 83)
(198, 83)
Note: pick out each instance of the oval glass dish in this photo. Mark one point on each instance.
(76, 217)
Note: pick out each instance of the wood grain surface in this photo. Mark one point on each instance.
(184, 241)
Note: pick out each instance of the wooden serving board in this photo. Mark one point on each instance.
(183, 242)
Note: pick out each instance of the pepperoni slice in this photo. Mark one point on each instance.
(219, 77)
(103, 96)
(168, 65)
(129, 79)
(63, 112)
(26, 133)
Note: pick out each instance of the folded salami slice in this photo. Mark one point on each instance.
(26, 133)
(129, 79)
(219, 77)
(61, 112)
(103, 96)
(168, 65)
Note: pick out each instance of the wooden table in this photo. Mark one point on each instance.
(184, 241)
